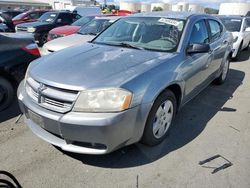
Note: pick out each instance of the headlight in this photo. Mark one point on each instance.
(235, 39)
(103, 100)
(31, 29)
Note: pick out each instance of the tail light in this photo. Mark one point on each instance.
(32, 49)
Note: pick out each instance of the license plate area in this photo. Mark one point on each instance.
(37, 119)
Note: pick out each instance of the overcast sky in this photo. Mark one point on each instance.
(207, 3)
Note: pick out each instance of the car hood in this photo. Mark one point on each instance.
(93, 66)
(66, 30)
(33, 24)
(68, 41)
(19, 35)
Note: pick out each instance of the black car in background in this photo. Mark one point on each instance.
(45, 23)
(16, 52)
(11, 13)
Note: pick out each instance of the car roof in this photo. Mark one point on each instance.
(169, 14)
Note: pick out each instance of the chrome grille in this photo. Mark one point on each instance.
(55, 99)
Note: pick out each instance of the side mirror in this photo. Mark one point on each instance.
(198, 48)
(248, 29)
(59, 21)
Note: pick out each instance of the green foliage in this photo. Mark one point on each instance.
(157, 9)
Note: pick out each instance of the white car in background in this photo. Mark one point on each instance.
(239, 26)
(85, 34)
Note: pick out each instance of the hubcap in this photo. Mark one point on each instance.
(225, 70)
(163, 119)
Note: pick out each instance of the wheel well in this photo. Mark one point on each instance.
(176, 89)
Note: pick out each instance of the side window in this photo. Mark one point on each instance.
(75, 17)
(215, 28)
(34, 15)
(66, 18)
(199, 33)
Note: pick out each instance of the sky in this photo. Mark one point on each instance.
(206, 3)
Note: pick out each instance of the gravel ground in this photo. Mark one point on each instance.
(216, 122)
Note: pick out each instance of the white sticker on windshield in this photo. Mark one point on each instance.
(49, 20)
(53, 15)
(169, 21)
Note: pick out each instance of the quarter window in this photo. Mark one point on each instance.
(215, 28)
(199, 33)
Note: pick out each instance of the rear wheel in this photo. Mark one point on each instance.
(6, 93)
(223, 76)
(160, 119)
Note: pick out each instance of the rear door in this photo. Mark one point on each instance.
(218, 45)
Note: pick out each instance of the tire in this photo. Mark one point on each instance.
(43, 39)
(247, 47)
(223, 76)
(155, 119)
(6, 93)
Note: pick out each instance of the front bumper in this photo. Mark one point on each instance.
(86, 133)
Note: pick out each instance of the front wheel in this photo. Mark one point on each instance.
(223, 76)
(160, 119)
(6, 93)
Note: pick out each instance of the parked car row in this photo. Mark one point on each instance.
(126, 84)
(45, 23)
(114, 81)
(85, 34)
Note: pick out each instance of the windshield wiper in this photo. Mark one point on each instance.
(90, 33)
(127, 45)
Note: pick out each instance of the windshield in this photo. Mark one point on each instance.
(158, 34)
(19, 16)
(48, 17)
(82, 21)
(95, 26)
(232, 24)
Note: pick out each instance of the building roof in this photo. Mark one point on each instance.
(23, 2)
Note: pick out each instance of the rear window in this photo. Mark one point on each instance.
(232, 24)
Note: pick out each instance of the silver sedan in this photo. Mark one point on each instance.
(127, 84)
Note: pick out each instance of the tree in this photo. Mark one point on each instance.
(157, 9)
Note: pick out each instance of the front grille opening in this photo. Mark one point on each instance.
(83, 144)
(90, 145)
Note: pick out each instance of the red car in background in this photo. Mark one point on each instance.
(73, 28)
(29, 16)
(122, 12)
